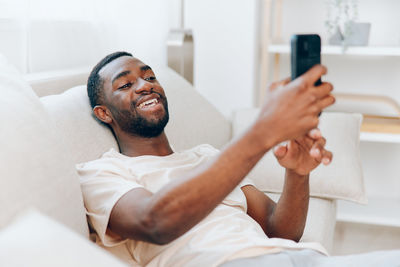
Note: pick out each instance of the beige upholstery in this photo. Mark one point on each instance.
(85, 138)
(37, 241)
(35, 170)
(193, 120)
(321, 221)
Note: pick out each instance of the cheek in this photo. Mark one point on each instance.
(124, 103)
(122, 110)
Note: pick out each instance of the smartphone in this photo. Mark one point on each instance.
(305, 53)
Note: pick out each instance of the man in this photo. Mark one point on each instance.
(196, 208)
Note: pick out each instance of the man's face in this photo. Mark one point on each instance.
(134, 97)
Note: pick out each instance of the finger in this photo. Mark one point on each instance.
(315, 152)
(305, 141)
(326, 157)
(310, 122)
(326, 102)
(318, 149)
(280, 151)
(315, 73)
(275, 85)
(315, 134)
(323, 90)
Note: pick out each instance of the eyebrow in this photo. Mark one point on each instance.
(126, 72)
(121, 74)
(144, 68)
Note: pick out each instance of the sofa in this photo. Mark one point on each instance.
(44, 135)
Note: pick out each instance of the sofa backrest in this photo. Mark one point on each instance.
(193, 120)
(35, 170)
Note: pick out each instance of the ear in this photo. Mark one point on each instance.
(103, 114)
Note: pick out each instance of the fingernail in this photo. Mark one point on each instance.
(315, 132)
(315, 151)
(326, 161)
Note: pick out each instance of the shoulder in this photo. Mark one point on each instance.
(110, 162)
(204, 150)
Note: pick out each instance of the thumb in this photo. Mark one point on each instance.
(280, 151)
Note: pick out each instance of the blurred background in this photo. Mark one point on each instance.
(230, 50)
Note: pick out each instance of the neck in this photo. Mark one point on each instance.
(134, 146)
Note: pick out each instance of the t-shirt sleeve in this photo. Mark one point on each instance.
(103, 183)
(246, 181)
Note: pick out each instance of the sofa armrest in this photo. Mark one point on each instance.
(321, 221)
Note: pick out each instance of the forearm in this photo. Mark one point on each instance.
(180, 205)
(290, 213)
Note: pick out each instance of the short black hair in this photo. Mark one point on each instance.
(95, 83)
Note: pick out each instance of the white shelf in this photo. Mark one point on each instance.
(380, 137)
(385, 212)
(352, 50)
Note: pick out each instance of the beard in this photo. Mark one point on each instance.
(130, 121)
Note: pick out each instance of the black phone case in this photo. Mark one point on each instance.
(305, 53)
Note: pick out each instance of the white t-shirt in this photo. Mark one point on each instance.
(227, 233)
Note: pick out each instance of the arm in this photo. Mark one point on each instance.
(177, 207)
(161, 217)
(287, 218)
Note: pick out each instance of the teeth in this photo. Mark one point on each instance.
(148, 103)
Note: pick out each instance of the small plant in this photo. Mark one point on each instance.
(340, 16)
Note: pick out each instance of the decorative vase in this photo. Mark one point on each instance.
(355, 34)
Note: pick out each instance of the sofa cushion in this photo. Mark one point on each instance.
(35, 170)
(342, 179)
(36, 240)
(193, 120)
(321, 220)
(85, 137)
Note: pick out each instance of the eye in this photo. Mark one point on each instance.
(151, 78)
(125, 86)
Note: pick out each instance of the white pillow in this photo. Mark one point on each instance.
(36, 168)
(36, 240)
(342, 179)
(85, 137)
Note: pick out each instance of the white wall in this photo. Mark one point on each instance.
(140, 27)
(225, 37)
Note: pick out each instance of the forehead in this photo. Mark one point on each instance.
(118, 65)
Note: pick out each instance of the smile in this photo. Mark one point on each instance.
(149, 103)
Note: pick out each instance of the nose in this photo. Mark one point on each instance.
(143, 87)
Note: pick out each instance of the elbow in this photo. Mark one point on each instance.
(162, 239)
(157, 231)
(295, 236)
(161, 236)
(285, 234)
